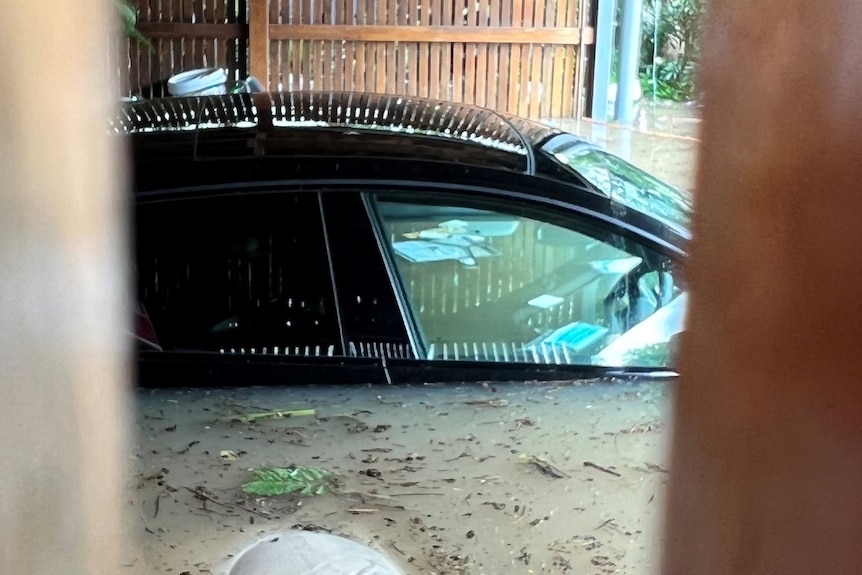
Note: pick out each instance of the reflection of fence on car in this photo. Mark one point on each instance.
(240, 279)
(485, 311)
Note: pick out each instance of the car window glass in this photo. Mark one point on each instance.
(493, 285)
(240, 274)
(626, 183)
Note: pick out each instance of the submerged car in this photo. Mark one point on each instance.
(342, 237)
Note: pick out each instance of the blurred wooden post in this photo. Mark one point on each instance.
(258, 42)
(63, 373)
(767, 460)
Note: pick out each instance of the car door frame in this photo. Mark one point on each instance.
(167, 369)
(420, 369)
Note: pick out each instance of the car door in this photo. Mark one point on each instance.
(504, 287)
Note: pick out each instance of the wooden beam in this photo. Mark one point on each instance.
(456, 34)
(766, 462)
(562, 36)
(258, 41)
(64, 410)
(187, 30)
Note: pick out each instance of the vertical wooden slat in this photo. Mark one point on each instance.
(320, 75)
(515, 60)
(503, 66)
(258, 38)
(294, 46)
(526, 61)
(459, 52)
(420, 51)
(571, 55)
(391, 50)
(352, 15)
(560, 62)
(537, 88)
(447, 65)
(305, 48)
(197, 43)
(435, 73)
(360, 49)
(339, 63)
(535, 80)
(580, 63)
(207, 44)
(548, 15)
(286, 58)
(470, 73)
(221, 43)
(272, 79)
(400, 66)
(187, 44)
(171, 64)
(378, 54)
(143, 59)
(480, 20)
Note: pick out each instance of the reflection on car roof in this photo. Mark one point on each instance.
(346, 110)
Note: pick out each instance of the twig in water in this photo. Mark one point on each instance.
(600, 468)
(605, 522)
(200, 494)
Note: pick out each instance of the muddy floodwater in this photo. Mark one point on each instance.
(461, 479)
(664, 140)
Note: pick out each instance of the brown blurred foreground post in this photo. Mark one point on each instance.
(767, 460)
(62, 293)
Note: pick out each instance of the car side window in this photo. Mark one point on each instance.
(237, 274)
(496, 285)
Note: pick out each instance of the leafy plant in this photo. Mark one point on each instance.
(673, 25)
(304, 481)
(129, 15)
(670, 81)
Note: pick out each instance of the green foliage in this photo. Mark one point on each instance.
(304, 481)
(673, 24)
(129, 15)
(671, 81)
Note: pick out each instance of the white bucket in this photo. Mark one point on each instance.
(307, 553)
(200, 82)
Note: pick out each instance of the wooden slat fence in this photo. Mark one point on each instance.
(185, 34)
(517, 56)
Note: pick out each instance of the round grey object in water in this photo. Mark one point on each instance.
(307, 553)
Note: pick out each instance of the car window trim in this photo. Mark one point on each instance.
(408, 315)
(331, 267)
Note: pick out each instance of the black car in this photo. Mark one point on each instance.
(344, 237)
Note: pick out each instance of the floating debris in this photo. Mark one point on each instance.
(277, 414)
(304, 481)
(600, 468)
(543, 466)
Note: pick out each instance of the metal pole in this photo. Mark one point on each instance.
(604, 58)
(629, 57)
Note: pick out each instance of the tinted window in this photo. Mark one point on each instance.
(370, 314)
(496, 285)
(241, 273)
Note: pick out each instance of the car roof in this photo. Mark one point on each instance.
(184, 144)
(205, 125)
